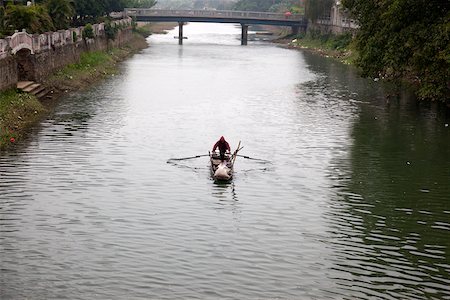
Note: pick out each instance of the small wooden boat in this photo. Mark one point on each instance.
(221, 170)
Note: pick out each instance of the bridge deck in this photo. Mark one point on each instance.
(215, 16)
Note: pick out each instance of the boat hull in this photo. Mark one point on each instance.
(221, 170)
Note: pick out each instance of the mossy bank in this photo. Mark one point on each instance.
(338, 46)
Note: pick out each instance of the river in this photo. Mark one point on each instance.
(353, 203)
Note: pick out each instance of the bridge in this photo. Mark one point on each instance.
(245, 18)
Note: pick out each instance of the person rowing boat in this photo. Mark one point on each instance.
(223, 146)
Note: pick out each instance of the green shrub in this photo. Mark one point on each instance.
(111, 31)
(88, 32)
(145, 31)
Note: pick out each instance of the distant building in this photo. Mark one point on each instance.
(338, 21)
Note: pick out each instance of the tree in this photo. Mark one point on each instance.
(140, 3)
(91, 10)
(35, 19)
(61, 12)
(255, 5)
(110, 31)
(113, 6)
(399, 38)
(2, 21)
(314, 9)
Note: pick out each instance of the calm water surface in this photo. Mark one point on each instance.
(354, 204)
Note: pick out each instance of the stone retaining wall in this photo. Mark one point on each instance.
(52, 51)
(8, 73)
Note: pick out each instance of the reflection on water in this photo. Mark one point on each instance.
(389, 218)
(352, 203)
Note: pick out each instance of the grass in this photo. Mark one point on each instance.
(18, 111)
(88, 64)
(93, 66)
(144, 30)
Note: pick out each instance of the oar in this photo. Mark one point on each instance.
(247, 157)
(190, 157)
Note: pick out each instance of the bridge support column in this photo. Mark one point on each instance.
(180, 33)
(244, 34)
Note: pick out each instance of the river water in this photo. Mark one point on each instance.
(354, 202)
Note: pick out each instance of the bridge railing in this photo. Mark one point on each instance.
(227, 14)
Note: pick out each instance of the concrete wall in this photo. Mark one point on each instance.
(52, 51)
(337, 22)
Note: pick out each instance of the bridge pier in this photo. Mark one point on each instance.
(244, 34)
(180, 33)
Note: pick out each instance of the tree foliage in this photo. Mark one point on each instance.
(35, 19)
(140, 3)
(47, 15)
(255, 5)
(314, 9)
(61, 12)
(89, 9)
(294, 6)
(2, 21)
(195, 4)
(279, 6)
(110, 31)
(399, 38)
(92, 10)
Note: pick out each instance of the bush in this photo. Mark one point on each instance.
(88, 32)
(339, 42)
(327, 40)
(399, 38)
(145, 31)
(110, 31)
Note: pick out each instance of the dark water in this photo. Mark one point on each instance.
(355, 203)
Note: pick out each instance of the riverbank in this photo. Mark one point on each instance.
(95, 66)
(92, 67)
(338, 47)
(326, 45)
(341, 47)
(20, 111)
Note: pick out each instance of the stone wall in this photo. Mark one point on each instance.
(49, 52)
(47, 62)
(8, 73)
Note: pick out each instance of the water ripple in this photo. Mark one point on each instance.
(353, 205)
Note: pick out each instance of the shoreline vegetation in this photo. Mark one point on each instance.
(341, 47)
(335, 46)
(327, 45)
(20, 111)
